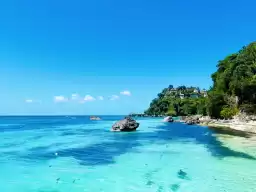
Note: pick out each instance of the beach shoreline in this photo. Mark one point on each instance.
(249, 127)
(240, 122)
(243, 123)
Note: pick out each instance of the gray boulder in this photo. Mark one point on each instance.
(192, 120)
(168, 119)
(127, 124)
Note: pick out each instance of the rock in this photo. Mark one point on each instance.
(192, 120)
(138, 115)
(205, 120)
(182, 174)
(175, 187)
(189, 122)
(127, 124)
(93, 118)
(168, 119)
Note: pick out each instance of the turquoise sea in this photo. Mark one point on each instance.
(74, 154)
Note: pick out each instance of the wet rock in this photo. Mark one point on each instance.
(94, 118)
(192, 120)
(127, 124)
(168, 119)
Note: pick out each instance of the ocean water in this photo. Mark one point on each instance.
(74, 154)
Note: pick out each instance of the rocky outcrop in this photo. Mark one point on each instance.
(138, 115)
(168, 119)
(244, 117)
(93, 118)
(192, 120)
(127, 124)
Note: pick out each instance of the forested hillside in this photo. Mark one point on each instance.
(233, 90)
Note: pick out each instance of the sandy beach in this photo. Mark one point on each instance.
(238, 123)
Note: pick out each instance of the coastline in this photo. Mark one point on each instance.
(241, 123)
(249, 127)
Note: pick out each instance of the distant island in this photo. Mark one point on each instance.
(233, 91)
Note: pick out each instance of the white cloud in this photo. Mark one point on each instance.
(75, 96)
(33, 101)
(114, 97)
(127, 93)
(89, 98)
(60, 98)
(100, 98)
(29, 101)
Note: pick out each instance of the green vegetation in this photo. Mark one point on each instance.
(179, 101)
(228, 112)
(233, 90)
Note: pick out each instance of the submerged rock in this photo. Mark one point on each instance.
(149, 183)
(182, 175)
(127, 124)
(175, 187)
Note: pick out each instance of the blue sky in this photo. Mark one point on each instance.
(104, 47)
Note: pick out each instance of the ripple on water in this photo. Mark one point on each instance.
(158, 157)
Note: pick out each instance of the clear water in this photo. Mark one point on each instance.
(74, 154)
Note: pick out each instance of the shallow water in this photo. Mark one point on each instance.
(74, 154)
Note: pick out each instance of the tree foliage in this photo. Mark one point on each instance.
(228, 112)
(234, 88)
(171, 102)
(234, 83)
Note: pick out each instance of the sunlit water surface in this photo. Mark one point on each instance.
(74, 154)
